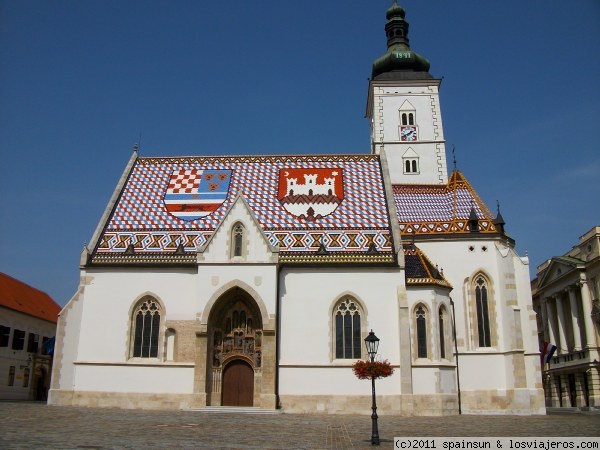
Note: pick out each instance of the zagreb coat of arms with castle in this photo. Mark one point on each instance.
(311, 193)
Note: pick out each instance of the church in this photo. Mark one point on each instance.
(252, 281)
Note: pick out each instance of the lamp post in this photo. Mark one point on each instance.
(372, 343)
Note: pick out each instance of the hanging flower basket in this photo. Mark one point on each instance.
(365, 370)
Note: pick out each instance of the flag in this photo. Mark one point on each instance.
(547, 352)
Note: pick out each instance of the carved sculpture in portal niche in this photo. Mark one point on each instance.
(249, 346)
(217, 337)
(238, 340)
(227, 345)
(236, 335)
(258, 339)
(217, 358)
(257, 358)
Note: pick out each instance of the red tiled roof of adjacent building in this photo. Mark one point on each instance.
(18, 296)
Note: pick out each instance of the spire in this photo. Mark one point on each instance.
(499, 220)
(399, 62)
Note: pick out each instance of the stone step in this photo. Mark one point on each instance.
(234, 410)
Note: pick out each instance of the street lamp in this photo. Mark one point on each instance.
(372, 343)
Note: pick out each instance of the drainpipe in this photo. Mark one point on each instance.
(456, 355)
(277, 336)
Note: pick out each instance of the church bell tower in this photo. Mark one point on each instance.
(404, 109)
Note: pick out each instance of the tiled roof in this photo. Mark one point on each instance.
(314, 208)
(419, 269)
(16, 295)
(440, 209)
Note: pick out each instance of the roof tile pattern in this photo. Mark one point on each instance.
(420, 270)
(439, 209)
(140, 222)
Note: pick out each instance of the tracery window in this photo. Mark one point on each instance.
(421, 326)
(146, 328)
(237, 336)
(237, 240)
(483, 315)
(347, 329)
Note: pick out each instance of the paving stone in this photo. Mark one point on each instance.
(34, 425)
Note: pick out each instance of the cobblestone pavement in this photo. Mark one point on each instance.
(34, 425)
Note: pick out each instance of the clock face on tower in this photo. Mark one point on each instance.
(408, 133)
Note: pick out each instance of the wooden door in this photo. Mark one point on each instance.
(238, 384)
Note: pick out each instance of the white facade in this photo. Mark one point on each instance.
(266, 303)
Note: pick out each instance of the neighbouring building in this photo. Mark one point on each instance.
(28, 319)
(253, 280)
(566, 300)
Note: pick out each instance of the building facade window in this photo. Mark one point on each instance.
(11, 376)
(421, 327)
(4, 336)
(26, 377)
(348, 342)
(18, 339)
(33, 342)
(146, 328)
(483, 314)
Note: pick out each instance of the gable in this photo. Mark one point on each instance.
(558, 267)
(256, 247)
(303, 204)
(441, 209)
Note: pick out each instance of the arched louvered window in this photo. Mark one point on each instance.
(348, 342)
(146, 328)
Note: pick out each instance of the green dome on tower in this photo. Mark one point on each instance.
(399, 62)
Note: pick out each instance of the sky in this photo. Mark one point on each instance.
(82, 81)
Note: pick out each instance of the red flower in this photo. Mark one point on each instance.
(365, 370)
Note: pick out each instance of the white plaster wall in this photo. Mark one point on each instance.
(110, 297)
(479, 370)
(132, 378)
(307, 300)
(307, 339)
(67, 342)
(215, 279)
(332, 381)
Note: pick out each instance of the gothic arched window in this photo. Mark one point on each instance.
(483, 315)
(146, 328)
(238, 240)
(348, 342)
(421, 327)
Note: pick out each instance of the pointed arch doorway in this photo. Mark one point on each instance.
(235, 347)
(238, 384)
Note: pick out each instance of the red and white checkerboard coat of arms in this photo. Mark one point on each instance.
(195, 193)
(311, 193)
